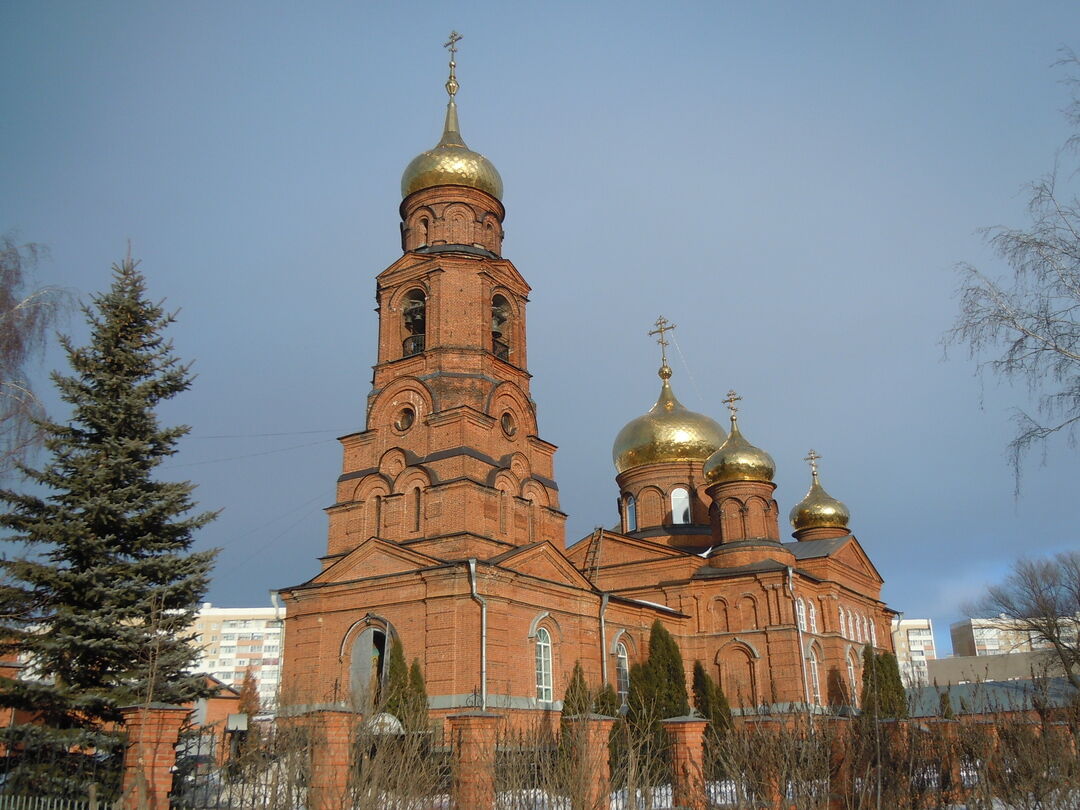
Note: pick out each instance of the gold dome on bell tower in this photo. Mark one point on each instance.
(669, 431)
(451, 162)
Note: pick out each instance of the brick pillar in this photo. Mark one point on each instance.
(687, 735)
(591, 732)
(153, 731)
(331, 756)
(841, 783)
(473, 739)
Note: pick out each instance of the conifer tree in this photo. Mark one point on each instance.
(870, 701)
(105, 579)
(711, 703)
(418, 697)
(577, 699)
(248, 702)
(396, 692)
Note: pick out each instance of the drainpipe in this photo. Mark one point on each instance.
(798, 630)
(483, 633)
(603, 639)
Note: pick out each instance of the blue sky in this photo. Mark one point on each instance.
(790, 183)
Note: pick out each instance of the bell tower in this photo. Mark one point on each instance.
(449, 462)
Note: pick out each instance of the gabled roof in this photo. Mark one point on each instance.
(845, 550)
(543, 561)
(374, 557)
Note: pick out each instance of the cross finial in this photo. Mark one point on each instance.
(731, 399)
(812, 457)
(451, 83)
(662, 325)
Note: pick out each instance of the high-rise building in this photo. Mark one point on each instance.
(914, 643)
(446, 534)
(239, 640)
(999, 636)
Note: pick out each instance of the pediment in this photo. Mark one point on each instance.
(373, 558)
(852, 555)
(543, 561)
(621, 547)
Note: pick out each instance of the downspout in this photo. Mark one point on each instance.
(798, 630)
(483, 632)
(603, 639)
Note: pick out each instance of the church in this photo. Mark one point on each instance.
(446, 534)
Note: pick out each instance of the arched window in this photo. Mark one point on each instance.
(680, 506)
(543, 665)
(853, 685)
(414, 318)
(414, 508)
(815, 678)
(811, 615)
(873, 634)
(843, 625)
(853, 627)
(622, 672)
(367, 667)
(800, 613)
(631, 514)
(376, 516)
(500, 327)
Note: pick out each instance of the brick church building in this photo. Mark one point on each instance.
(446, 533)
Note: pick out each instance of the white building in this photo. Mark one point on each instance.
(235, 640)
(999, 636)
(914, 642)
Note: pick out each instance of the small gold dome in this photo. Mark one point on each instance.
(819, 510)
(668, 432)
(451, 163)
(738, 460)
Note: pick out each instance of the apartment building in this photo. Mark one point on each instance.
(999, 636)
(914, 643)
(235, 640)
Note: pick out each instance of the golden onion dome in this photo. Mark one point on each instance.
(738, 460)
(668, 432)
(451, 163)
(819, 509)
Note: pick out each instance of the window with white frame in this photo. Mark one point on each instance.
(852, 684)
(680, 506)
(543, 666)
(800, 612)
(843, 625)
(873, 634)
(811, 615)
(631, 514)
(622, 672)
(815, 679)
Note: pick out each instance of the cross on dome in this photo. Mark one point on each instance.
(662, 326)
(812, 457)
(731, 399)
(452, 83)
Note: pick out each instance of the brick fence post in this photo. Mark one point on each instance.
(152, 733)
(331, 755)
(687, 735)
(591, 732)
(473, 740)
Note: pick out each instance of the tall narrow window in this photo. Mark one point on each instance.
(631, 514)
(873, 634)
(414, 508)
(811, 615)
(500, 327)
(853, 686)
(377, 516)
(843, 625)
(622, 672)
(680, 506)
(815, 679)
(414, 318)
(367, 665)
(543, 666)
(800, 613)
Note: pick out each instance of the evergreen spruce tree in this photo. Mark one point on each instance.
(418, 699)
(607, 701)
(711, 703)
(104, 579)
(894, 696)
(577, 699)
(870, 701)
(395, 694)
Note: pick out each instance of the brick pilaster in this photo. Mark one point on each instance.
(331, 756)
(473, 736)
(687, 735)
(591, 732)
(153, 731)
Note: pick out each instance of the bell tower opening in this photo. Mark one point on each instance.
(414, 319)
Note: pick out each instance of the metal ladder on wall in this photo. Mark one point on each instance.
(592, 556)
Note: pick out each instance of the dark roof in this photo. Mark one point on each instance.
(991, 696)
(808, 549)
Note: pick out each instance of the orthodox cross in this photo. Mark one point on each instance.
(812, 457)
(451, 83)
(662, 325)
(732, 398)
